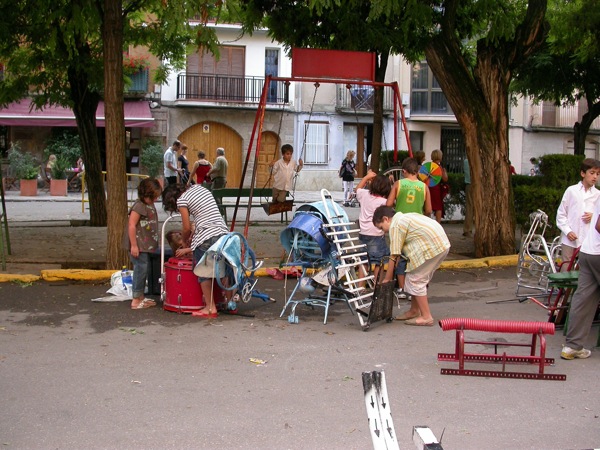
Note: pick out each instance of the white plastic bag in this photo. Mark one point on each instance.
(120, 288)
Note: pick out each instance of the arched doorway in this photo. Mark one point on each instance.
(269, 150)
(208, 136)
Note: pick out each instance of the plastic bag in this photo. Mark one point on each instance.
(121, 283)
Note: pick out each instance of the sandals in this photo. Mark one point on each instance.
(146, 303)
(413, 322)
(204, 315)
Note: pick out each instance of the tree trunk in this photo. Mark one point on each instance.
(581, 130)
(380, 68)
(478, 96)
(85, 104)
(112, 35)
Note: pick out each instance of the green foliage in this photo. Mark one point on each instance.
(24, 165)
(455, 200)
(560, 171)
(60, 167)
(152, 157)
(386, 159)
(529, 198)
(64, 145)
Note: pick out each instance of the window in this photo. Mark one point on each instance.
(316, 150)
(3, 141)
(454, 149)
(416, 140)
(222, 80)
(426, 94)
(272, 68)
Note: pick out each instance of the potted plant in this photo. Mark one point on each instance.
(26, 169)
(58, 182)
(152, 158)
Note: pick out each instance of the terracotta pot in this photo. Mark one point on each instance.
(58, 188)
(28, 188)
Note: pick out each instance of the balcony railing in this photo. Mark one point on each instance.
(362, 98)
(222, 88)
(548, 115)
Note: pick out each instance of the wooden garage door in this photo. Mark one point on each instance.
(208, 136)
(269, 150)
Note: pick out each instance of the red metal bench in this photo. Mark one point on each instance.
(537, 330)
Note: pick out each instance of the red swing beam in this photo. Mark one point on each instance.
(305, 62)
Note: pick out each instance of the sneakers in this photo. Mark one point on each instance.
(569, 353)
(400, 294)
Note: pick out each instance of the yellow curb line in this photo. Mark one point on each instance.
(105, 275)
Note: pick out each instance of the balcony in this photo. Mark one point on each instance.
(360, 98)
(548, 115)
(220, 88)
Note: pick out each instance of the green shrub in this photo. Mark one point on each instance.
(560, 171)
(455, 200)
(386, 159)
(59, 170)
(65, 144)
(152, 157)
(529, 199)
(24, 165)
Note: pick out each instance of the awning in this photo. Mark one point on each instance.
(20, 114)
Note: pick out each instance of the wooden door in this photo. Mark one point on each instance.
(269, 150)
(208, 136)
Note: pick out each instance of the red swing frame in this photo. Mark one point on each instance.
(307, 67)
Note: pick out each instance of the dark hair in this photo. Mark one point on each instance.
(176, 143)
(410, 165)
(201, 154)
(149, 188)
(589, 163)
(170, 196)
(419, 156)
(381, 186)
(381, 212)
(170, 239)
(286, 148)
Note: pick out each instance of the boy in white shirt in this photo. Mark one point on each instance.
(585, 300)
(576, 207)
(283, 173)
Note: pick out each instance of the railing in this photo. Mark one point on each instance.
(229, 89)
(549, 115)
(362, 98)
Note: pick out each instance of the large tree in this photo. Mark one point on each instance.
(55, 53)
(567, 69)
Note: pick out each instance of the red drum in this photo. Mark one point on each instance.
(182, 290)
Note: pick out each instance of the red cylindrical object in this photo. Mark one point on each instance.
(500, 326)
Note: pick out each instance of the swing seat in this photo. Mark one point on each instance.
(278, 207)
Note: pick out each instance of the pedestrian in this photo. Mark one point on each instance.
(283, 171)
(409, 195)
(170, 163)
(346, 173)
(437, 195)
(469, 209)
(574, 213)
(587, 295)
(142, 238)
(200, 170)
(370, 199)
(197, 204)
(184, 164)
(424, 244)
(218, 173)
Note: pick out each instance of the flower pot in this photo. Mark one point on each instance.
(28, 188)
(58, 188)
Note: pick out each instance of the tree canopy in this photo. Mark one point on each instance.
(567, 68)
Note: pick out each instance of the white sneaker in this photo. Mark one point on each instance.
(569, 353)
(400, 294)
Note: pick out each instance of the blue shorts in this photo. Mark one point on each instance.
(377, 248)
(400, 266)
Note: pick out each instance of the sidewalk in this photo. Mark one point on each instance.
(46, 233)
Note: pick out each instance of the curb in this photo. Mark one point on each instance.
(104, 275)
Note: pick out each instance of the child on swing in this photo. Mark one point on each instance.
(283, 171)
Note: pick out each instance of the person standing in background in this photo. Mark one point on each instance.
(170, 163)
(346, 173)
(218, 173)
(469, 210)
(437, 196)
(183, 165)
